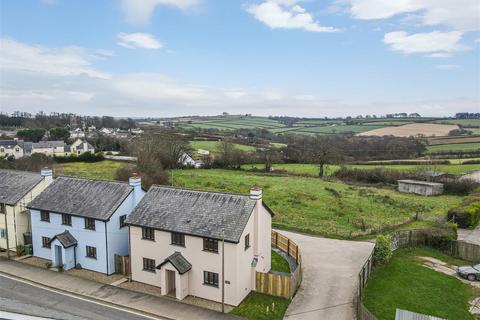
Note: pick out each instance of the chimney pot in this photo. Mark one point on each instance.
(47, 174)
(256, 193)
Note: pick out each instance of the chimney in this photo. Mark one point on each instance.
(136, 182)
(256, 193)
(47, 175)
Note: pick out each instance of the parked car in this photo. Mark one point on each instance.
(469, 272)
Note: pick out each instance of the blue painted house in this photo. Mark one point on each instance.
(81, 222)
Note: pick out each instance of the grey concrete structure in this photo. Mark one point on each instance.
(423, 188)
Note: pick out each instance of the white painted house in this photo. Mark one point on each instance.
(188, 161)
(81, 222)
(16, 148)
(178, 236)
(17, 190)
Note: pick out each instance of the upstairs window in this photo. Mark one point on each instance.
(210, 245)
(3, 208)
(178, 239)
(45, 216)
(46, 242)
(66, 219)
(148, 233)
(90, 223)
(247, 241)
(91, 252)
(122, 221)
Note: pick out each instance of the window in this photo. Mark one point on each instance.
(91, 252)
(66, 219)
(210, 245)
(90, 223)
(148, 233)
(46, 242)
(3, 208)
(2, 150)
(148, 265)
(178, 239)
(45, 216)
(210, 278)
(247, 241)
(3, 233)
(17, 149)
(122, 221)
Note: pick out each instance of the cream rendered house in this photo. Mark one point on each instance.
(17, 190)
(179, 239)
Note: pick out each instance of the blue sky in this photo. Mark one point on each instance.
(266, 57)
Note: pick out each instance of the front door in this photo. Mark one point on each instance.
(171, 283)
(58, 255)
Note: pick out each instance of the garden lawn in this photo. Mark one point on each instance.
(404, 283)
(316, 206)
(255, 305)
(96, 170)
(279, 263)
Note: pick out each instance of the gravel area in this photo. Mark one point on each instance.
(141, 287)
(34, 261)
(94, 276)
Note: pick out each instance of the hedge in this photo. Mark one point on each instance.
(467, 215)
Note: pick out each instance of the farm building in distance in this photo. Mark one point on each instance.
(423, 188)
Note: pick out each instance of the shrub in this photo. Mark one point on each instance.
(377, 175)
(383, 250)
(85, 157)
(467, 215)
(457, 186)
(441, 238)
(471, 162)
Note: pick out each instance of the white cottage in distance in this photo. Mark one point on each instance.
(82, 221)
(176, 242)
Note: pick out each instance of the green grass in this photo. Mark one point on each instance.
(320, 207)
(461, 122)
(312, 170)
(213, 146)
(403, 283)
(338, 129)
(279, 263)
(454, 147)
(255, 305)
(104, 170)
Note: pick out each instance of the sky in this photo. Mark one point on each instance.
(311, 58)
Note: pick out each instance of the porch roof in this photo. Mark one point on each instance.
(66, 239)
(178, 262)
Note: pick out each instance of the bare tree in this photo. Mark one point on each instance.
(322, 151)
(268, 157)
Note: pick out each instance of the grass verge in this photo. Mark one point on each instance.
(254, 307)
(279, 263)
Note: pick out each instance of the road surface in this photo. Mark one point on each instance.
(23, 298)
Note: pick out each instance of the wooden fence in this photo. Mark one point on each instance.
(362, 312)
(122, 265)
(281, 284)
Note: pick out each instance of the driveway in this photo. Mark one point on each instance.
(330, 277)
(470, 236)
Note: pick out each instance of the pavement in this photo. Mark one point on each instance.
(470, 236)
(19, 300)
(114, 297)
(330, 277)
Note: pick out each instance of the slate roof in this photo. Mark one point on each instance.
(48, 144)
(66, 239)
(14, 185)
(96, 199)
(193, 212)
(178, 262)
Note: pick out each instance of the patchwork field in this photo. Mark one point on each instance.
(475, 146)
(414, 129)
(213, 146)
(306, 204)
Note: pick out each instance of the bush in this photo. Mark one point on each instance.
(377, 175)
(467, 215)
(402, 162)
(85, 157)
(471, 162)
(383, 250)
(457, 186)
(441, 238)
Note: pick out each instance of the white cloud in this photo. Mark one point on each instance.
(36, 78)
(286, 14)
(138, 40)
(460, 15)
(435, 44)
(447, 66)
(140, 11)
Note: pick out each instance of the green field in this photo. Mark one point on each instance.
(461, 122)
(254, 307)
(337, 129)
(404, 283)
(312, 169)
(213, 146)
(320, 207)
(305, 204)
(232, 123)
(454, 147)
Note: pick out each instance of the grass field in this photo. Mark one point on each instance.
(403, 283)
(213, 146)
(454, 147)
(337, 129)
(320, 207)
(312, 169)
(254, 307)
(461, 122)
(305, 204)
